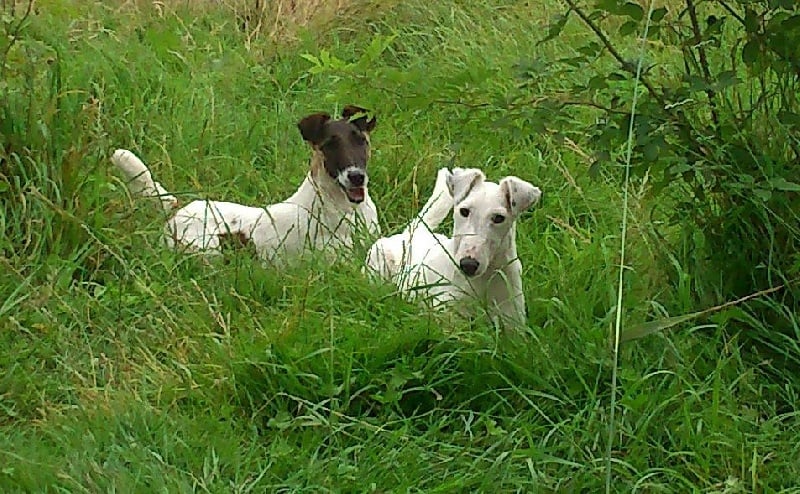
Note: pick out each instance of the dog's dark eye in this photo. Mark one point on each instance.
(331, 142)
(463, 212)
(498, 218)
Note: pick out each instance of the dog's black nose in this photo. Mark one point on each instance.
(356, 178)
(469, 265)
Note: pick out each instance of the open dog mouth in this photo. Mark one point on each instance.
(355, 194)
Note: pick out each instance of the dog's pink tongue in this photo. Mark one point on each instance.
(356, 194)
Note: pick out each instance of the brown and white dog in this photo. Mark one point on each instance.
(323, 213)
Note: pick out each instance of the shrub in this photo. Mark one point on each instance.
(715, 134)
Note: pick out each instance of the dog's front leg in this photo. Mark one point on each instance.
(506, 299)
(510, 312)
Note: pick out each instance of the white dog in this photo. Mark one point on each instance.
(479, 264)
(332, 200)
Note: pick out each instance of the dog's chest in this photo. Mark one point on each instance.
(335, 230)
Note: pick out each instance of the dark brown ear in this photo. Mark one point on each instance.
(311, 127)
(363, 124)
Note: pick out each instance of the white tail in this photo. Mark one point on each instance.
(140, 181)
(436, 209)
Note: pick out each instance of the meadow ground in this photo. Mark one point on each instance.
(129, 368)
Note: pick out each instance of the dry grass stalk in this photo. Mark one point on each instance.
(281, 20)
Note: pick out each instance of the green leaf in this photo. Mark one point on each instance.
(556, 26)
(653, 32)
(628, 28)
(650, 151)
(746, 179)
(713, 27)
(651, 327)
(597, 83)
(311, 58)
(610, 6)
(775, 23)
(378, 45)
(632, 10)
(590, 49)
(281, 421)
(696, 83)
(396, 76)
(576, 62)
(600, 158)
(792, 23)
(594, 169)
(752, 20)
(782, 184)
(750, 52)
(679, 168)
(762, 194)
(726, 79)
(787, 117)
(658, 14)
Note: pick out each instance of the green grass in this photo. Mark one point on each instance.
(129, 368)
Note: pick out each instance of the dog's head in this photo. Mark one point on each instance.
(344, 146)
(483, 216)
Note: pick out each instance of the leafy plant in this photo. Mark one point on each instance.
(717, 136)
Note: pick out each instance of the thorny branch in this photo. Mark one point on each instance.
(732, 12)
(624, 64)
(701, 53)
(676, 118)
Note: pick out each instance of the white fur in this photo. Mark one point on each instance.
(317, 216)
(425, 264)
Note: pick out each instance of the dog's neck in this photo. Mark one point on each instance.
(319, 191)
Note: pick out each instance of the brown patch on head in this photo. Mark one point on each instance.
(343, 147)
(235, 241)
(363, 122)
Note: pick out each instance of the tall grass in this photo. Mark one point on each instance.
(128, 367)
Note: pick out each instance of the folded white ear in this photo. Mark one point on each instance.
(519, 195)
(462, 181)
